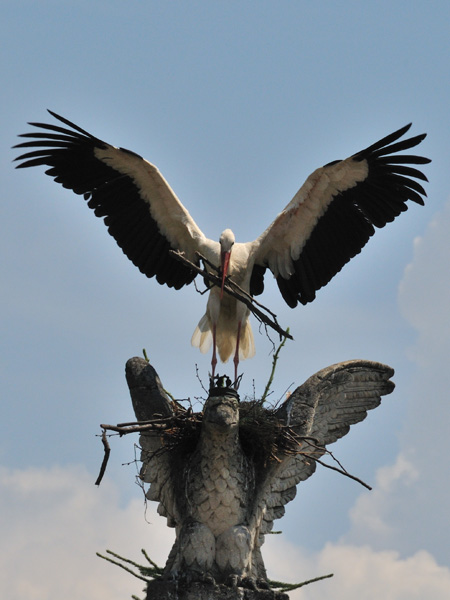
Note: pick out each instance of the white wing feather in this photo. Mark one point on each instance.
(174, 220)
(282, 242)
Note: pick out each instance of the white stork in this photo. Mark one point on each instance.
(328, 221)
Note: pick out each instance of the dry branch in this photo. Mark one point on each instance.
(260, 431)
(288, 587)
(343, 472)
(233, 289)
(105, 457)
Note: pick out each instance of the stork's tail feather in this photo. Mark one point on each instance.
(202, 336)
(246, 342)
(226, 340)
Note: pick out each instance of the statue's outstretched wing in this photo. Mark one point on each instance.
(320, 412)
(330, 401)
(147, 393)
(150, 401)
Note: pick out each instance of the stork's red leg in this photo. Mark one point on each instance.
(214, 356)
(236, 354)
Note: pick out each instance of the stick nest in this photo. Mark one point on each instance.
(262, 436)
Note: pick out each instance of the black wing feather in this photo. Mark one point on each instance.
(69, 154)
(353, 214)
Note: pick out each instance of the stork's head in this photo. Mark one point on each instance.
(226, 243)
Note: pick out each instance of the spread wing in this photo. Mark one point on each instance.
(335, 398)
(138, 206)
(322, 410)
(334, 214)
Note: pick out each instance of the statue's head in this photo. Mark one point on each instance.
(222, 412)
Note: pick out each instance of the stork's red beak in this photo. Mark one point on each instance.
(225, 259)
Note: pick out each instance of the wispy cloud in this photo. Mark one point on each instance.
(359, 572)
(55, 520)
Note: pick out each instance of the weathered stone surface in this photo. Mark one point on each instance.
(147, 393)
(168, 590)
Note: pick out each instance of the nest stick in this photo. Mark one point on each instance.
(105, 458)
(233, 289)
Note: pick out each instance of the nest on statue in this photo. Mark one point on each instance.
(262, 436)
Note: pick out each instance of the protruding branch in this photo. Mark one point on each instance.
(272, 373)
(288, 587)
(342, 472)
(145, 573)
(105, 458)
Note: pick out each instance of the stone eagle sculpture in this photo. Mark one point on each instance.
(219, 494)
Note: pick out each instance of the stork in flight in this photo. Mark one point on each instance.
(328, 221)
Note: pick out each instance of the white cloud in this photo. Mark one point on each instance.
(424, 292)
(372, 510)
(55, 520)
(359, 572)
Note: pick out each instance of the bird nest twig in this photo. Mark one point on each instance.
(264, 439)
(233, 289)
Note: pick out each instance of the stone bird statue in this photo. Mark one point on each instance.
(218, 491)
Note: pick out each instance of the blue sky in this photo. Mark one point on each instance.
(236, 103)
